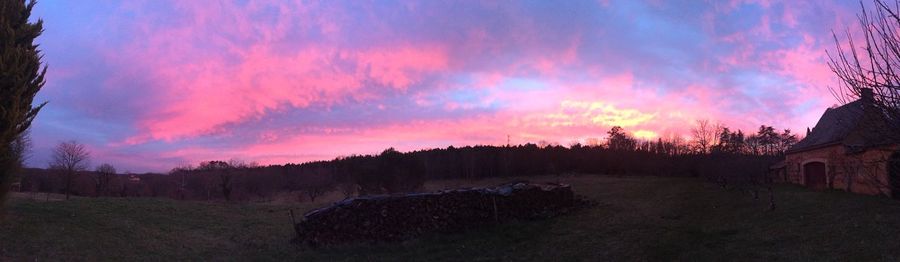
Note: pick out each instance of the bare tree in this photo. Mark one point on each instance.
(313, 192)
(873, 66)
(318, 183)
(705, 135)
(105, 172)
(70, 158)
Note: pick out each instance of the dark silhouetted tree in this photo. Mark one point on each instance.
(704, 135)
(731, 142)
(619, 140)
(786, 140)
(224, 172)
(768, 140)
(314, 181)
(103, 175)
(69, 158)
(180, 173)
(400, 172)
(21, 77)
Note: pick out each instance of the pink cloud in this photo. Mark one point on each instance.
(219, 66)
(278, 82)
(200, 98)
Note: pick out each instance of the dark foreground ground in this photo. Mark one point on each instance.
(637, 218)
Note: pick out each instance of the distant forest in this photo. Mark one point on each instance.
(713, 151)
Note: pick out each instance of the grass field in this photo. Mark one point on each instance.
(637, 218)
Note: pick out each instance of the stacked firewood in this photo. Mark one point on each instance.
(399, 217)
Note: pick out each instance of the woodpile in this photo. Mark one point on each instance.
(399, 217)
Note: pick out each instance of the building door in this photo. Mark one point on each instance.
(814, 172)
(894, 175)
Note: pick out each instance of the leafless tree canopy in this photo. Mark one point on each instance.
(873, 65)
(70, 158)
(106, 169)
(705, 135)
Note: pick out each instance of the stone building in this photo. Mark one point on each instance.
(852, 148)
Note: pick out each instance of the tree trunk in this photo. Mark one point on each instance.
(8, 167)
(68, 184)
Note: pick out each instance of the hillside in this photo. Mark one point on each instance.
(636, 218)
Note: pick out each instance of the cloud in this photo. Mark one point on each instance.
(200, 99)
(152, 84)
(584, 113)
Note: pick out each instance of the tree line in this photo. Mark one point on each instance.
(392, 171)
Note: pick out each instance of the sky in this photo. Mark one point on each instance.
(150, 85)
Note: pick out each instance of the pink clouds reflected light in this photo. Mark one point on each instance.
(153, 84)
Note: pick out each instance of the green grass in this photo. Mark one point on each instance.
(636, 218)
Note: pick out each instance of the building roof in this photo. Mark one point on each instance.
(834, 125)
(856, 125)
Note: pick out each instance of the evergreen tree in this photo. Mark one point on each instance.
(21, 77)
(619, 140)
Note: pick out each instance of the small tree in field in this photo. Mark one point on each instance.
(70, 158)
(21, 77)
(316, 182)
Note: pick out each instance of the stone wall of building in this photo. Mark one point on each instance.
(863, 173)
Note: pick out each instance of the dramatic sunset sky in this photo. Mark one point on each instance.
(148, 85)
